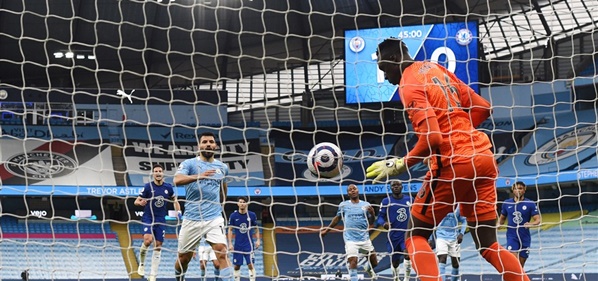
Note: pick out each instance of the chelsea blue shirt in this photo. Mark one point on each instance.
(449, 229)
(518, 214)
(156, 209)
(203, 196)
(243, 226)
(355, 219)
(396, 213)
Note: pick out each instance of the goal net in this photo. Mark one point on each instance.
(94, 93)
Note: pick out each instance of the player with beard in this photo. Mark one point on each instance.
(154, 217)
(357, 215)
(394, 217)
(204, 180)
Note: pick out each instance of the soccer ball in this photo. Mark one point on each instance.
(325, 160)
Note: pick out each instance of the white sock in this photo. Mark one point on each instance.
(407, 268)
(142, 253)
(395, 271)
(155, 262)
(237, 275)
(252, 274)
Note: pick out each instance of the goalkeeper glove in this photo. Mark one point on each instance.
(386, 168)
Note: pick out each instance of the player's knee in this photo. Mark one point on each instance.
(219, 248)
(185, 258)
(147, 241)
(419, 228)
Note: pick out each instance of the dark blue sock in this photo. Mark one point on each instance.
(179, 276)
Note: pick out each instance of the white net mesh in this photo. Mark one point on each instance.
(93, 93)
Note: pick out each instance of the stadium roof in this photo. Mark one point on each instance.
(181, 42)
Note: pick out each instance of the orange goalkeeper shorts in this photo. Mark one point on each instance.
(472, 185)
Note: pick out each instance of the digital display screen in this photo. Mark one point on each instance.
(453, 45)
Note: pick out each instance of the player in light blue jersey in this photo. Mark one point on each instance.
(394, 216)
(449, 236)
(153, 198)
(205, 187)
(521, 214)
(357, 215)
(243, 226)
(205, 254)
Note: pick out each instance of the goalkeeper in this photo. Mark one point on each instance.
(444, 113)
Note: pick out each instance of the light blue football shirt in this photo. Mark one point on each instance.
(202, 200)
(448, 229)
(355, 219)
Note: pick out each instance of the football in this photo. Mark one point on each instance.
(325, 160)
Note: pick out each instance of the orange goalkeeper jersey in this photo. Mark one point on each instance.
(429, 90)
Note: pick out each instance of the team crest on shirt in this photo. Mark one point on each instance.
(524, 208)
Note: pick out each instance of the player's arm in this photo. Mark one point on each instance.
(182, 179)
(230, 235)
(535, 221)
(257, 236)
(177, 205)
(501, 220)
(423, 118)
(382, 216)
(182, 176)
(371, 214)
(479, 108)
(503, 215)
(223, 192)
(332, 224)
(141, 200)
(224, 186)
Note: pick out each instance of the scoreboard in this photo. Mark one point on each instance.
(453, 45)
